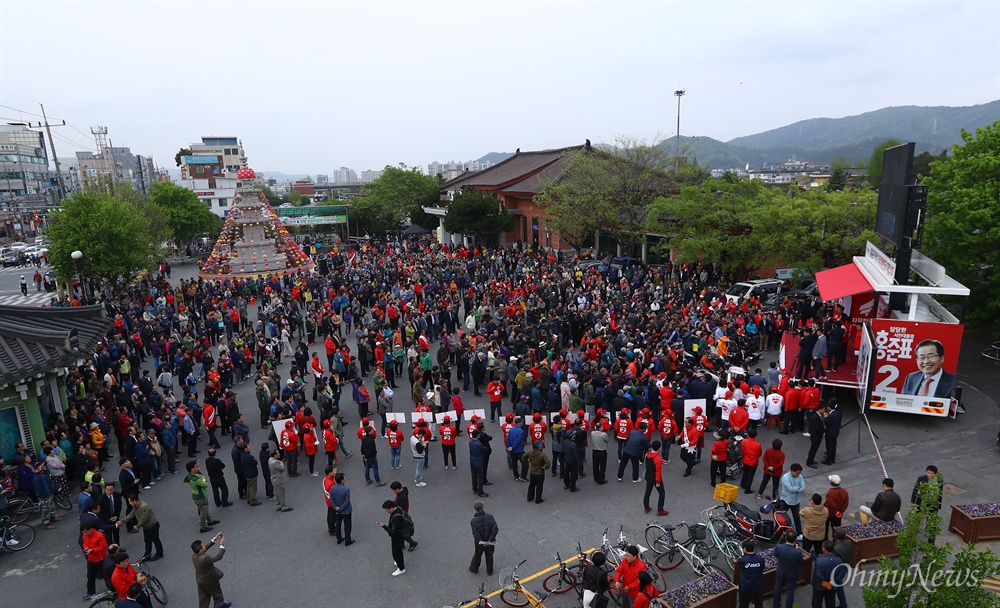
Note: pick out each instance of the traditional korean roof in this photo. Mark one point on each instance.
(504, 175)
(36, 340)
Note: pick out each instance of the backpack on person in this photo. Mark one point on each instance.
(407, 529)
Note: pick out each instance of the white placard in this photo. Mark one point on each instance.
(736, 371)
(452, 416)
(689, 405)
(470, 413)
(399, 417)
(428, 417)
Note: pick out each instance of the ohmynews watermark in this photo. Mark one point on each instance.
(845, 575)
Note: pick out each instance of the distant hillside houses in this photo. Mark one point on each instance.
(802, 173)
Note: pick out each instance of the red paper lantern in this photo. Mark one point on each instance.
(246, 174)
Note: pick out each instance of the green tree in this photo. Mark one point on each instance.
(838, 180)
(714, 222)
(922, 162)
(404, 191)
(478, 214)
(814, 229)
(875, 162)
(920, 576)
(371, 217)
(186, 215)
(273, 199)
(180, 154)
(117, 233)
(296, 199)
(840, 162)
(962, 231)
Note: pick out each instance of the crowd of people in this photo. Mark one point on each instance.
(568, 358)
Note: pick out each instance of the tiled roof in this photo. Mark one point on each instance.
(35, 340)
(512, 170)
(534, 184)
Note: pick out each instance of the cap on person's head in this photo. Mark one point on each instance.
(510, 417)
(392, 423)
(94, 425)
(834, 480)
(536, 416)
(888, 482)
(289, 424)
(190, 465)
(289, 381)
(447, 418)
(478, 505)
(326, 423)
(538, 445)
(365, 421)
(388, 504)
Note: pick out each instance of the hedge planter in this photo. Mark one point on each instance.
(873, 540)
(976, 522)
(710, 591)
(771, 570)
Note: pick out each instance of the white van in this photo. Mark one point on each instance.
(758, 288)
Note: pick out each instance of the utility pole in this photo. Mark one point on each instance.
(55, 157)
(679, 93)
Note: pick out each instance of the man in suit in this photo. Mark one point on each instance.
(110, 505)
(789, 558)
(129, 482)
(930, 380)
(206, 575)
(340, 502)
(833, 422)
(220, 490)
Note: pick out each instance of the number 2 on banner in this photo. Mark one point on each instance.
(885, 385)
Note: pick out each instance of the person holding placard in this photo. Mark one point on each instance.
(448, 435)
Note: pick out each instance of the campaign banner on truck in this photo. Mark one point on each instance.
(915, 365)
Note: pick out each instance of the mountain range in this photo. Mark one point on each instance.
(820, 140)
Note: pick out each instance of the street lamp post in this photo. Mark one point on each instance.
(679, 93)
(78, 261)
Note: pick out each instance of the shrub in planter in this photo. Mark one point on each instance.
(976, 522)
(698, 592)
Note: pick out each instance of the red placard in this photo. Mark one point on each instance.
(915, 365)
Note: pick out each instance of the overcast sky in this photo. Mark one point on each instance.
(310, 87)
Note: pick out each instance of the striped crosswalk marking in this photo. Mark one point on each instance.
(32, 299)
(992, 584)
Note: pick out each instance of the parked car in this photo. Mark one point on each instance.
(758, 288)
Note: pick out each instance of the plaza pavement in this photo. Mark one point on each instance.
(287, 559)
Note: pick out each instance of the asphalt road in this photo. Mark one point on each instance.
(288, 559)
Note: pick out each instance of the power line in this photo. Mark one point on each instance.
(20, 111)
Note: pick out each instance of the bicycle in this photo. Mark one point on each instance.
(723, 535)
(698, 555)
(13, 536)
(479, 602)
(156, 589)
(22, 506)
(662, 543)
(616, 554)
(562, 580)
(514, 593)
(104, 599)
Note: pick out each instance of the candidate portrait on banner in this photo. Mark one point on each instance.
(931, 380)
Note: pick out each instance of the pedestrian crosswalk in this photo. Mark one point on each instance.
(992, 584)
(39, 298)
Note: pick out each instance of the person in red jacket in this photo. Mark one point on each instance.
(626, 578)
(537, 429)
(793, 413)
(123, 575)
(668, 430)
(654, 478)
(95, 549)
(448, 436)
(473, 425)
(363, 430)
(311, 446)
(459, 406)
(774, 462)
(330, 444)
(623, 426)
(211, 422)
(689, 437)
(507, 425)
(739, 418)
(836, 503)
(752, 450)
(289, 441)
(494, 390)
(647, 591)
(719, 450)
(700, 423)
